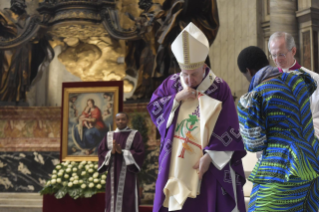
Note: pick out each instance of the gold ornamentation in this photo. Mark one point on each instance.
(80, 14)
(81, 31)
(94, 59)
(191, 66)
(186, 47)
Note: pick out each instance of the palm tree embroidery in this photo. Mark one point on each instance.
(189, 124)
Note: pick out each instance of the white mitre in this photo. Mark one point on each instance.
(190, 48)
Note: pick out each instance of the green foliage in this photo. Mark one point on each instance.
(47, 190)
(75, 192)
(61, 193)
(89, 193)
(78, 179)
(139, 123)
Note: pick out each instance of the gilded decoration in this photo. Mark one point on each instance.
(150, 58)
(95, 59)
(30, 129)
(80, 14)
(87, 30)
(133, 38)
(78, 30)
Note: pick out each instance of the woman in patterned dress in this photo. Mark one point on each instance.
(275, 118)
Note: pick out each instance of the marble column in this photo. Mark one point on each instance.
(308, 17)
(283, 18)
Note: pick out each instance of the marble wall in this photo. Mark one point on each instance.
(30, 129)
(26, 171)
(239, 28)
(305, 4)
(29, 147)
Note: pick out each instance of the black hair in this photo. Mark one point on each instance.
(252, 58)
(124, 114)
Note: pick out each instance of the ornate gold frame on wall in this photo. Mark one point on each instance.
(115, 87)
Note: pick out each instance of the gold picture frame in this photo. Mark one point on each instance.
(88, 113)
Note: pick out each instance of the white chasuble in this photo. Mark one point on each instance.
(195, 124)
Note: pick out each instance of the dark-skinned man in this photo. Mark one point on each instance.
(121, 153)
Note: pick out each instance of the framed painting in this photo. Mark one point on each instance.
(88, 113)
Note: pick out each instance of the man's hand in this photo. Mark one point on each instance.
(116, 148)
(202, 165)
(187, 93)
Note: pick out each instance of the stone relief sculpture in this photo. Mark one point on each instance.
(94, 38)
(23, 47)
(148, 58)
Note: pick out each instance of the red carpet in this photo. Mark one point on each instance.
(67, 204)
(146, 208)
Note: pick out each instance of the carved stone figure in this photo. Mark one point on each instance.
(22, 50)
(158, 25)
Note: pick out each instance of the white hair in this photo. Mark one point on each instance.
(290, 41)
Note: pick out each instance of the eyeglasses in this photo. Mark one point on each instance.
(278, 56)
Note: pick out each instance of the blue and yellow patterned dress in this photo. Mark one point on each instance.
(275, 118)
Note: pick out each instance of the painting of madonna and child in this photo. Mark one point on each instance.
(88, 114)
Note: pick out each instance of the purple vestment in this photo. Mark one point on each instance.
(294, 67)
(216, 192)
(121, 192)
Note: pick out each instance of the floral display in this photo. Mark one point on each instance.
(77, 179)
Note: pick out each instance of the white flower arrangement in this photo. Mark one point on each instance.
(78, 179)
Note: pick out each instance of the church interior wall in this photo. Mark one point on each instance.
(242, 23)
(29, 147)
(304, 4)
(4, 4)
(240, 27)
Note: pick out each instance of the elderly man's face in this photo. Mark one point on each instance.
(193, 77)
(283, 57)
